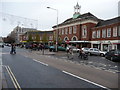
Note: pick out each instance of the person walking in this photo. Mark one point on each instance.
(80, 53)
(13, 49)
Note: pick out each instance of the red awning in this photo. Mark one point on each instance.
(116, 43)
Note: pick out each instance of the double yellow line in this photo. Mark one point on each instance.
(12, 76)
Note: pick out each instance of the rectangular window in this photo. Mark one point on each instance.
(40, 38)
(104, 33)
(50, 37)
(98, 34)
(62, 31)
(109, 32)
(114, 31)
(74, 30)
(59, 31)
(94, 34)
(119, 31)
(66, 30)
(70, 30)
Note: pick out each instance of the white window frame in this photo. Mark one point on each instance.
(50, 37)
(40, 38)
(59, 31)
(94, 34)
(66, 30)
(108, 32)
(98, 33)
(62, 31)
(74, 29)
(114, 31)
(70, 30)
(103, 33)
(84, 31)
(118, 30)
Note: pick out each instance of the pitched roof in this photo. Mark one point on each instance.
(79, 18)
(108, 22)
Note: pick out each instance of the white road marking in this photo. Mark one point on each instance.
(85, 80)
(14, 80)
(40, 62)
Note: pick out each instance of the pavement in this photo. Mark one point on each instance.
(47, 52)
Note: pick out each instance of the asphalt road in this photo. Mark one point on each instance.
(25, 72)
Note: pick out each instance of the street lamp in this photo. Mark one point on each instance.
(57, 27)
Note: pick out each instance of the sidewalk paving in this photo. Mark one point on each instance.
(47, 52)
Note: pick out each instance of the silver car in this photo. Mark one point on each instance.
(95, 51)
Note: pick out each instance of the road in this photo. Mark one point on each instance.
(27, 70)
(94, 61)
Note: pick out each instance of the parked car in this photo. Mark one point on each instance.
(46, 47)
(1, 45)
(85, 49)
(113, 55)
(75, 49)
(95, 51)
(60, 48)
(53, 48)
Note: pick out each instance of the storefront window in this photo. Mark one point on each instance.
(115, 46)
(110, 47)
(105, 47)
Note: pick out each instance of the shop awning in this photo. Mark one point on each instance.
(79, 42)
(23, 41)
(116, 43)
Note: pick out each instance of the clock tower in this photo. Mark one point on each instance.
(76, 10)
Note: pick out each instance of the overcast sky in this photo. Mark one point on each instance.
(38, 16)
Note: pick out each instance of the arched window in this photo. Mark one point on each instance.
(74, 38)
(66, 38)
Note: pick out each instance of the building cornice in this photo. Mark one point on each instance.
(77, 23)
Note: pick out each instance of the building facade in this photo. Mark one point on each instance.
(18, 31)
(106, 34)
(45, 37)
(86, 30)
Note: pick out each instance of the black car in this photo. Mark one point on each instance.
(113, 55)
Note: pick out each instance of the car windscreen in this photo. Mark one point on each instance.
(118, 51)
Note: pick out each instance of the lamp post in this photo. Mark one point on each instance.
(56, 28)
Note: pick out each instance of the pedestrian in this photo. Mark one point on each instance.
(13, 49)
(80, 53)
(67, 49)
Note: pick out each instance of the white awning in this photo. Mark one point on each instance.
(79, 41)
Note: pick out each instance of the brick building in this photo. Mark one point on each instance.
(38, 36)
(86, 30)
(106, 34)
